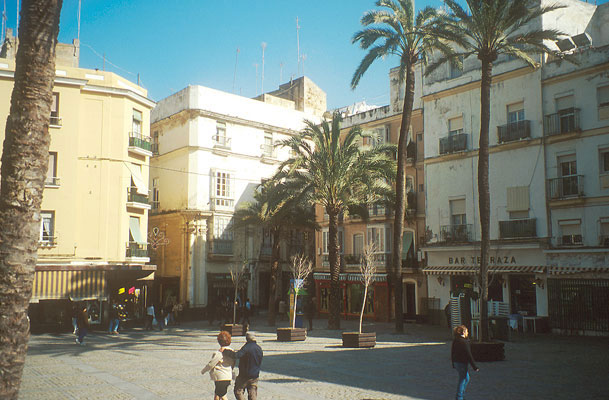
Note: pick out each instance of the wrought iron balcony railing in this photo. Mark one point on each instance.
(518, 228)
(135, 249)
(514, 131)
(453, 143)
(570, 240)
(138, 140)
(134, 197)
(52, 181)
(566, 186)
(456, 233)
(221, 247)
(603, 240)
(221, 141)
(56, 121)
(564, 121)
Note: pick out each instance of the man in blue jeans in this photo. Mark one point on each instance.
(461, 356)
(250, 359)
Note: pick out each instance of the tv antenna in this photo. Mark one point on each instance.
(78, 34)
(297, 46)
(3, 23)
(263, 44)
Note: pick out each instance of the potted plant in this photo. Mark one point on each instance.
(301, 268)
(238, 277)
(367, 270)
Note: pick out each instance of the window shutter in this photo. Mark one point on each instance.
(517, 198)
(602, 93)
(515, 107)
(565, 102)
(457, 207)
(455, 124)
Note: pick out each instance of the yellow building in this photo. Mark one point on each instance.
(95, 204)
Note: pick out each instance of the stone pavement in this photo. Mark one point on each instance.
(416, 365)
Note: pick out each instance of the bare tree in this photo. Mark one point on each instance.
(237, 275)
(24, 166)
(301, 268)
(367, 269)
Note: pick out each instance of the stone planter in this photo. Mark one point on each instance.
(359, 340)
(234, 330)
(291, 334)
(488, 351)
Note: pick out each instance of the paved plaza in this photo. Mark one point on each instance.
(416, 365)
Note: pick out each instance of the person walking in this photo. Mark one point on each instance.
(247, 309)
(461, 357)
(82, 321)
(221, 366)
(114, 321)
(160, 317)
(310, 309)
(250, 359)
(149, 317)
(75, 311)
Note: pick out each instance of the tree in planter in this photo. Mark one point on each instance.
(367, 269)
(275, 209)
(301, 268)
(238, 276)
(337, 174)
(24, 166)
(394, 30)
(486, 30)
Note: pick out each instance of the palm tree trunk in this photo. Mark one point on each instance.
(24, 165)
(484, 194)
(335, 295)
(400, 203)
(274, 278)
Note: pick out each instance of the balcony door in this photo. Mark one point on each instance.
(567, 168)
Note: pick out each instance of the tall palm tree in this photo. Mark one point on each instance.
(24, 165)
(394, 30)
(489, 29)
(337, 174)
(277, 210)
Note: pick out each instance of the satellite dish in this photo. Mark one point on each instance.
(582, 40)
(565, 44)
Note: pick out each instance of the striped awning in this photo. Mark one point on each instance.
(73, 285)
(554, 270)
(493, 269)
(325, 276)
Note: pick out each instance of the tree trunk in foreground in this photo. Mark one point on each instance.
(335, 293)
(24, 165)
(274, 277)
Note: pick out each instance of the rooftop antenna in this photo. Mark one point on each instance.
(297, 46)
(3, 23)
(235, 74)
(17, 26)
(263, 44)
(78, 34)
(256, 65)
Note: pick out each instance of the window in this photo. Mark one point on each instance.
(135, 233)
(602, 96)
(455, 126)
(419, 137)
(569, 182)
(155, 193)
(603, 157)
(223, 228)
(515, 113)
(55, 120)
(421, 187)
(378, 136)
(155, 142)
(223, 189)
(358, 244)
(570, 232)
(220, 139)
(604, 232)
(410, 187)
(380, 238)
(456, 71)
(565, 108)
(47, 227)
(267, 146)
(326, 241)
(137, 124)
(457, 212)
(518, 199)
(52, 179)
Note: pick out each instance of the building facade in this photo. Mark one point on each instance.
(547, 212)
(94, 214)
(213, 150)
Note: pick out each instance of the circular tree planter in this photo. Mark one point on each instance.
(488, 351)
(359, 340)
(234, 329)
(291, 334)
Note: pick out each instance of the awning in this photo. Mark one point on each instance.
(406, 243)
(493, 269)
(136, 175)
(74, 285)
(576, 270)
(325, 276)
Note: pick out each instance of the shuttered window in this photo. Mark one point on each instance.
(518, 198)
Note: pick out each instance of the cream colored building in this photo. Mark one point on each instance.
(95, 204)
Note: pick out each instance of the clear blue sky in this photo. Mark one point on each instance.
(172, 44)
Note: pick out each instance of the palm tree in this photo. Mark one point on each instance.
(489, 29)
(394, 30)
(278, 211)
(336, 174)
(24, 165)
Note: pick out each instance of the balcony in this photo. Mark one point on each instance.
(221, 247)
(570, 240)
(155, 205)
(47, 241)
(137, 250)
(566, 187)
(378, 210)
(51, 181)
(411, 206)
(55, 121)
(221, 142)
(565, 121)
(603, 241)
(137, 200)
(140, 144)
(518, 228)
(456, 233)
(453, 143)
(514, 131)
(154, 147)
(266, 250)
(411, 151)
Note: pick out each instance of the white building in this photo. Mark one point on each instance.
(213, 149)
(548, 214)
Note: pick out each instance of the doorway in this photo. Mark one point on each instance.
(410, 300)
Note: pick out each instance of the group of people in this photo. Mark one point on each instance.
(222, 362)
(163, 315)
(223, 311)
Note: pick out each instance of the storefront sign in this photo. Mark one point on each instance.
(473, 260)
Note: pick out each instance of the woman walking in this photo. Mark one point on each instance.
(221, 368)
(461, 356)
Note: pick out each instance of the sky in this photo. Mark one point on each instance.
(171, 44)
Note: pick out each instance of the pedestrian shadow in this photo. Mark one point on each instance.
(283, 380)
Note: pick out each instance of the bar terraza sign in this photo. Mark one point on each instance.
(475, 260)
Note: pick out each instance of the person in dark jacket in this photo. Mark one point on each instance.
(82, 320)
(250, 359)
(461, 356)
(310, 309)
